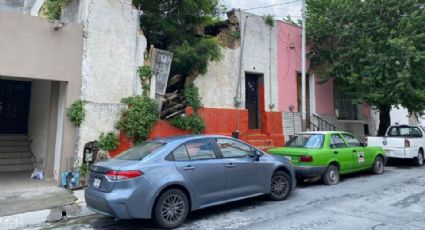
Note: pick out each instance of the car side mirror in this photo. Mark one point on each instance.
(257, 155)
(362, 144)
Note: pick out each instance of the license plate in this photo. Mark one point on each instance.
(288, 157)
(96, 182)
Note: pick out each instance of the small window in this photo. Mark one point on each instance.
(180, 154)
(337, 142)
(200, 150)
(233, 149)
(352, 141)
(310, 141)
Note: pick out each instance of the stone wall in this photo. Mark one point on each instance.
(113, 49)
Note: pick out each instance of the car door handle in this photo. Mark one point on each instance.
(230, 165)
(354, 150)
(189, 167)
(335, 152)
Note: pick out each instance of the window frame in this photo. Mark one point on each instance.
(252, 150)
(342, 138)
(355, 138)
(207, 141)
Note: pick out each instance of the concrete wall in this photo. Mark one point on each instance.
(110, 60)
(218, 87)
(17, 6)
(32, 49)
(38, 123)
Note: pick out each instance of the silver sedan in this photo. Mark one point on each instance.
(164, 179)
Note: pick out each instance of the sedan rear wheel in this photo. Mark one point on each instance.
(331, 176)
(419, 161)
(171, 209)
(281, 186)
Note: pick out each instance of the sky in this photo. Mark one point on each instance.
(288, 7)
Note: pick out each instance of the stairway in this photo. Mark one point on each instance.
(259, 140)
(15, 154)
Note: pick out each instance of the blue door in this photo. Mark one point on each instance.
(202, 170)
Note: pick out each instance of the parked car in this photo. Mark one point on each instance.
(402, 141)
(330, 153)
(164, 179)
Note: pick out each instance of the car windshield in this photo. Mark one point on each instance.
(140, 151)
(310, 141)
(404, 131)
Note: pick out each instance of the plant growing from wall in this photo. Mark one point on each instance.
(269, 20)
(140, 117)
(192, 97)
(145, 75)
(192, 123)
(108, 141)
(84, 170)
(52, 9)
(76, 113)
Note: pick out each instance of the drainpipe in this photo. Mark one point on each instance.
(136, 54)
(271, 105)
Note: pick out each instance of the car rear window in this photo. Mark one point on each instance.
(140, 151)
(310, 141)
(404, 131)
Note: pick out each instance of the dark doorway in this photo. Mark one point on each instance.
(14, 106)
(253, 83)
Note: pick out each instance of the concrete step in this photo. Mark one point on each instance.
(23, 154)
(15, 143)
(16, 168)
(13, 137)
(16, 161)
(14, 149)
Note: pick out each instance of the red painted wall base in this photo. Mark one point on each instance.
(224, 122)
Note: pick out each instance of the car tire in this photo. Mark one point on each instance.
(331, 176)
(171, 209)
(378, 165)
(280, 186)
(419, 160)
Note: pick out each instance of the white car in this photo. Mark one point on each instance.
(402, 141)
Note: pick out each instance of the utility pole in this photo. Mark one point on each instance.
(303, 69)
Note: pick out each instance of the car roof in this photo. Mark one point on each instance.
(184, 138)
(321, 132)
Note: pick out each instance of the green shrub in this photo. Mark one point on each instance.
(192, 123)
(84, 169)
(76, 113)
(192, 97)
(52, 9)
(138, 120)
(108, 141)
(145, 75)
(269, 20)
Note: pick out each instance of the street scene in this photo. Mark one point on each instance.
(212, 114)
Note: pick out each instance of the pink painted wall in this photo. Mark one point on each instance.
(324, 98)
(289, 64)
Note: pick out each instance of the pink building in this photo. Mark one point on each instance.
(326, 108)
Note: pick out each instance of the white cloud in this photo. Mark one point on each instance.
(280, 11)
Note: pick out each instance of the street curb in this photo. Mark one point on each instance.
(27, 219)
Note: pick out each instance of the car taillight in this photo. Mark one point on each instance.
(306, 158)
(116, 175)
(406, 143)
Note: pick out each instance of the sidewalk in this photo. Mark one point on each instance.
(25, 202)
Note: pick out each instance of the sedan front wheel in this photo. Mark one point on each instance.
(281, 186)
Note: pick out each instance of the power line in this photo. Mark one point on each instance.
(268, 6)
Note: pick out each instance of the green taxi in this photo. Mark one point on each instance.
(329, 154)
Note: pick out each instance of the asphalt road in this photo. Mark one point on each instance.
(394, 200)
